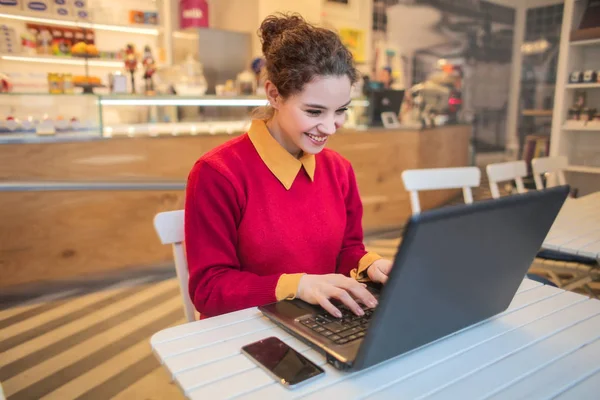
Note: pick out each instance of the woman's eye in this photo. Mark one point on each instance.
(314, 112)
(341, 110)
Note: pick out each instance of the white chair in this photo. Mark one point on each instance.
(169, 226)
(507, 171)
(549, 165)
(416, 180)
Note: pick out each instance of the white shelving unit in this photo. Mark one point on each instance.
(579, 142)
(31, 17)
(112, 34)
(583, 85)
(581, 128)
(61, 60)
(591, 42)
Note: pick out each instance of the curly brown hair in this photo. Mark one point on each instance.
(296, 52)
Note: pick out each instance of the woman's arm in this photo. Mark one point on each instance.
(213, 210)
(353, 259)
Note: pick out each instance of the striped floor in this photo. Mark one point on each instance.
(94, 346)
(91, 341)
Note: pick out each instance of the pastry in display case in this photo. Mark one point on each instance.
(48, 117)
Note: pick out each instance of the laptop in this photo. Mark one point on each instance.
(456, 266)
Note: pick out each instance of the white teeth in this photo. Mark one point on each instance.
(317, 138)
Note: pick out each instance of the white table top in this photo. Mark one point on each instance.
(577, 228)
(546, 345)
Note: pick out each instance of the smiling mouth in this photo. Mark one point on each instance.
(319, 139)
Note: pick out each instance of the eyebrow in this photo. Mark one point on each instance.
(320, 107)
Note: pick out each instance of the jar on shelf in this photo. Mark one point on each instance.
(55, 83)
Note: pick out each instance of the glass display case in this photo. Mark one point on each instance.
(63, 117)
(49, 117)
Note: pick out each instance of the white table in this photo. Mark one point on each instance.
(577, 228)
(546, 345)
(576, 231)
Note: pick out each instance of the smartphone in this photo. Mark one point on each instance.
(282, 362)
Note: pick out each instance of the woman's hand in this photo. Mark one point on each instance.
(380, 270)
(318, 289)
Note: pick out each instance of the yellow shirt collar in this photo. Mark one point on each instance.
(282, 164)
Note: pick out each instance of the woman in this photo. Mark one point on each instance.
(272, 214)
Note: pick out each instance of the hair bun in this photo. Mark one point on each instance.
(275, 25)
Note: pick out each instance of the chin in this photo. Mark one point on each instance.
(312, 150)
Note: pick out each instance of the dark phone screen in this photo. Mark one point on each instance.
(283, 361)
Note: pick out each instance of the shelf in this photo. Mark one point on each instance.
(30, 17)
(583, 85)
(39, 94)
(177, 129)
(593, 128)
(183, 101)
(17, 138)
(590, 42)
(583, 169)
(173, 100)
(64, 60)
(207, 101)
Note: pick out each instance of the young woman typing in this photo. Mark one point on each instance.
(273, 214)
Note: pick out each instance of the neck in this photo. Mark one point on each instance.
(277, 133)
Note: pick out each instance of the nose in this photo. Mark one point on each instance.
(328, 127)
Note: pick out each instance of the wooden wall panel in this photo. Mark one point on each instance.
(114, 159)
(59, 235)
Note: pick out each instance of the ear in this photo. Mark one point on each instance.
(272, 94)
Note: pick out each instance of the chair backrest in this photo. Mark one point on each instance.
(506, 171)
(169, 226)
(463, 178)
(549, 165)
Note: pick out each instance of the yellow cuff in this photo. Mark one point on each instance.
(360, 273)
(287, 286)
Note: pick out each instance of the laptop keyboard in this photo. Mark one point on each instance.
(340, 330)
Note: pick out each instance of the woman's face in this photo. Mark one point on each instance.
(308, 118)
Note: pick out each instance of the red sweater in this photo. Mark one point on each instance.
(244, 229)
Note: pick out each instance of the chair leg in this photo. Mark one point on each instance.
(590, 292)
(575, 283)
(555, 278)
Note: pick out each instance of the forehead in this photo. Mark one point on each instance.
(332, 91)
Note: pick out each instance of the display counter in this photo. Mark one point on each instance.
(75, 208)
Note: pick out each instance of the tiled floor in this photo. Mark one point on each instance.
(91, 340)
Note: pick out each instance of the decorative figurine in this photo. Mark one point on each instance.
(149, 69)
(131, 61)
